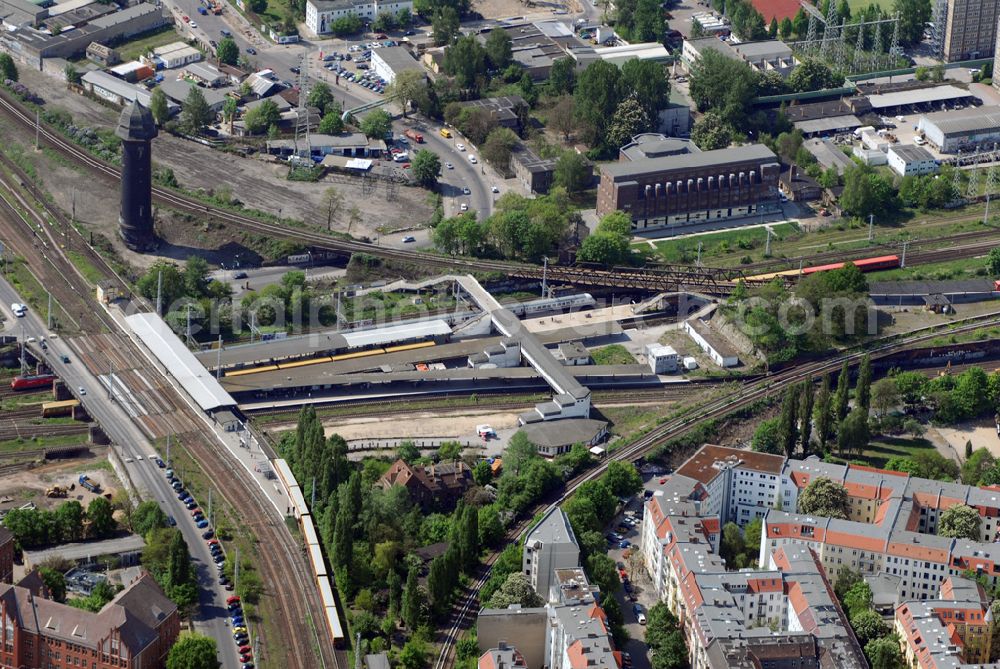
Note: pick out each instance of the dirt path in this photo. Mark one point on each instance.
(950, 441)
(426, 425)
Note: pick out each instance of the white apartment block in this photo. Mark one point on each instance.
(551, 545)
(320, 14)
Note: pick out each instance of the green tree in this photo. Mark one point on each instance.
(8, 70)
(976, 465)
(811, 75)
(258, 6)
(572, 172)
(863, 388)
(147, 517)
(840, 399)
(332, 122)
(622, 479)
(444, 26)
(498, 147)
(262, 117)
(68, 518)
(562, 79)
(410, 86)
(55, 582)
(647, 82)
(884, 653)
(807, 398)
(868, 625)
(785, 28)
(913, 18)
(711, 132)
(767, 436)
(858, 598)
(960, 522)
(515, 590)
(490, 526)
(628, 121)
(466, 60)
(732, 543)
(179, 577)
(823, 413)
(598, 92)
(867, 192)
(320, 96)
(158, 106)
(498, 48)
(196, 114)
(377, 124)
(789, 421)
(721, 84)
(411, 601)
(413, 655)
(605, 249)
(823, 497)
(193, 651)
(853, 434)
(348, 24)
(884, 396)
(227, 52)
(408, 452)
(426, 168)
(993, 261)
(195, 276)
(101, 516)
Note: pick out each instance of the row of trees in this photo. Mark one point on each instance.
(881, 646)
(520, 228)
(36, 528)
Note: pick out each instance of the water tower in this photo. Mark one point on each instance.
(137, 130)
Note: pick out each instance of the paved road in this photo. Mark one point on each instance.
(130, 443)
(636, 645)
(261, 277)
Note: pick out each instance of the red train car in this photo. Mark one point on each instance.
(35, 381)
(865, 265)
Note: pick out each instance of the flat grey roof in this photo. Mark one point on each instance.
(960, 121)
(111, 83)
(726, 156)
(953, 287)
(554, 527)
(88, 549)
(179, 361)
(398, 58)
(829, 123)
(766, 49)
(276, 349)
(911, 153)
(565, 432)
(721, 346)
(917, 96)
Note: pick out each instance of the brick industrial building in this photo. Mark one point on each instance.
(675, 190)
(6, 555)
(136, 629)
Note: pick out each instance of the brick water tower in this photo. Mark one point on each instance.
(135, 220)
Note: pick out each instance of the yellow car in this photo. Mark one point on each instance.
(239, 630)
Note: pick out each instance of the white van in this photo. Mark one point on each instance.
(919, 141)
(19, 309)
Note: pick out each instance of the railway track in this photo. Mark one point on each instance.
(717, 408)
(15, 430)
(280, 563)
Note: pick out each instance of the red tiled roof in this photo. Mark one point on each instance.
(778, 9)
(700, 466)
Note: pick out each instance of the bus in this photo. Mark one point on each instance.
(446, 133)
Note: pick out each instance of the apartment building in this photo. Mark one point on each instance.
(551, 545)
(785, 615)
(891, 527)
(570, 632)
(136, 629)
(320, 14)
(970, 29)
(950, 631)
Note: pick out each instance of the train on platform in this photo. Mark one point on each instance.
(31, 381)
(865, 265)
(553, 304)
(331, 358)
(321, 575)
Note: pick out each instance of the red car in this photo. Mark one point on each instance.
(196, 512)
(186, 18)
(245, 650)
(233, 599)
(213, 542)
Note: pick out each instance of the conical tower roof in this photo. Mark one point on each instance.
(136, 123)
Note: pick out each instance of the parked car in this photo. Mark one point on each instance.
(171, 522)
(201, 524)
(252, 51)
(208, 534)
